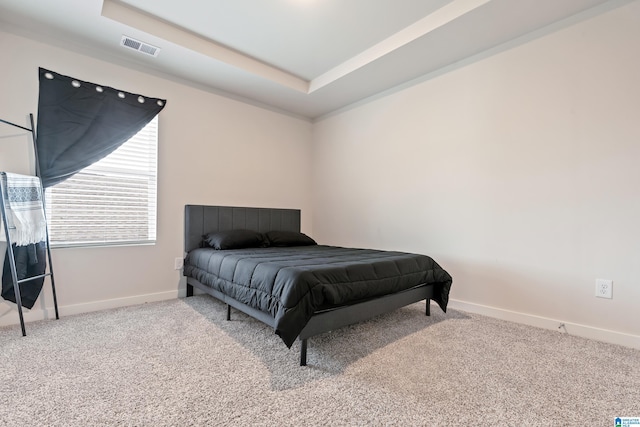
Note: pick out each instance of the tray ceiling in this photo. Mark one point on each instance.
(304, 57)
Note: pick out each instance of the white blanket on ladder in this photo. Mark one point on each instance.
(23, 204)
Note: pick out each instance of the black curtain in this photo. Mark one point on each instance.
(79, 123)
(30, 261)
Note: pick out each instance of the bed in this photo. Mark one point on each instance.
(257, 261)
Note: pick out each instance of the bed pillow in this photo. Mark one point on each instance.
(234, 239)
(288, 238)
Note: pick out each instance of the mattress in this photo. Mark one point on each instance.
(292, 283)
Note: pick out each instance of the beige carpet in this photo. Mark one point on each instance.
(179, 363)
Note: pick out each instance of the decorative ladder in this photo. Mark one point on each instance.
(10, 253)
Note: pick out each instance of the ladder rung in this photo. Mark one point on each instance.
(34, 278)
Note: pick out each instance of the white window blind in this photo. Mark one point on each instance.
(113, 201)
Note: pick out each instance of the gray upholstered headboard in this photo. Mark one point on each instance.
(200, 220)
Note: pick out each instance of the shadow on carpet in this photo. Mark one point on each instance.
(328, 354)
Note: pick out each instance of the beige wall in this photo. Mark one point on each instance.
(518, 173)
(212, 150)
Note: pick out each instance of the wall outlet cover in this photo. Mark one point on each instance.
(604, 288)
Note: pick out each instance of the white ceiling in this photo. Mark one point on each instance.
(304, 57)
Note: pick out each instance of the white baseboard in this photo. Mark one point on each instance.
(9, 316)
(9, 313)
(598, 334)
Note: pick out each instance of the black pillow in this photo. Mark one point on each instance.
(288, 238)
(234, 239)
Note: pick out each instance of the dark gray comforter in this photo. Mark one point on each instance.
(294, 282)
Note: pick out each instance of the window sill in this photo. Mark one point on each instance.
(101, 244)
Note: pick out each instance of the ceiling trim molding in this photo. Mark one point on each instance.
(429, 23)
(125, 14)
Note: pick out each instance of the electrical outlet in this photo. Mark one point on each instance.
(604, 288)
(177, 263)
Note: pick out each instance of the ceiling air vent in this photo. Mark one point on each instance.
(141, 47)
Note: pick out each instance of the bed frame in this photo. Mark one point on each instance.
(200, 220)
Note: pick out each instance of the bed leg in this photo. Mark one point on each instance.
(427, 311)
(228, 312)
(303, 352)
(189, 290)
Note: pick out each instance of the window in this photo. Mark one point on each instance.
(113, 201)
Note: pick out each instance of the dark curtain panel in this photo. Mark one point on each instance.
(79, 123)
(30, 262)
